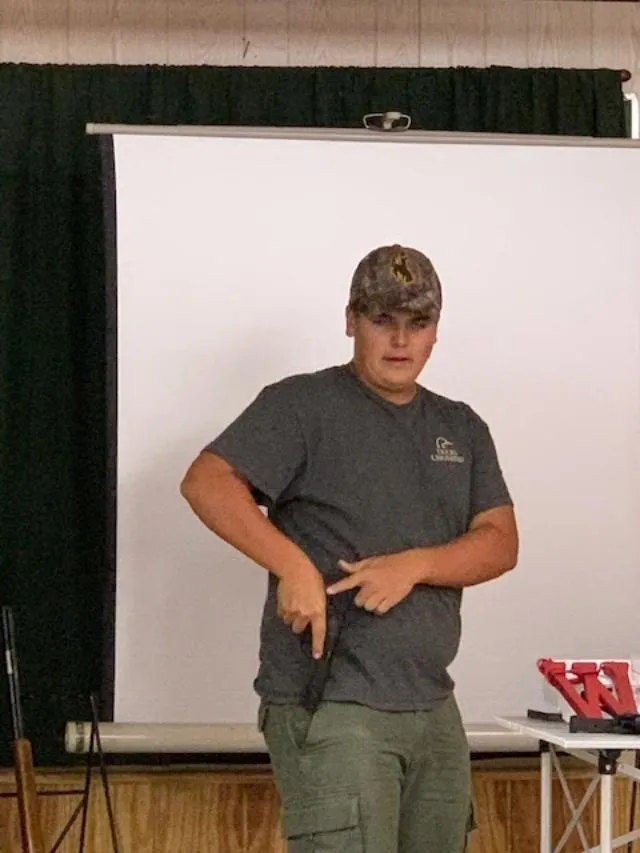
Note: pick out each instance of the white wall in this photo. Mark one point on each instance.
(324, 32)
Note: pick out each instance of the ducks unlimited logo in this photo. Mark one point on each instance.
(446, 451)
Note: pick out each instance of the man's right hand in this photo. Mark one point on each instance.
(302, 602)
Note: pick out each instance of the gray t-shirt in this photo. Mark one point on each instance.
(347, 475)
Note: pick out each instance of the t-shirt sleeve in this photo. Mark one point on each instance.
(488, 485)
(265, 444)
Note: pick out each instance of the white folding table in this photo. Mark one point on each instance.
(601, 750)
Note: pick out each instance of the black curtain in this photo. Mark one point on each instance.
(53, 448)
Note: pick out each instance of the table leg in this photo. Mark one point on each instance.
(607, 767)
(606, 813)
(546, 800)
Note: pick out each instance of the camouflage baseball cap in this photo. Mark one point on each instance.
(396, 278)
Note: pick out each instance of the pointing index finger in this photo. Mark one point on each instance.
(343, 585)
(318, 634)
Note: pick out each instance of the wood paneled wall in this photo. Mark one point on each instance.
(210, 810)
(323, 32)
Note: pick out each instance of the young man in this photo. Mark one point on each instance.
(384, 500)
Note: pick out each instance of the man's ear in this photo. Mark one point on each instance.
(350, 322)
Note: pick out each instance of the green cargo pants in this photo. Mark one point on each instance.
(355, 780)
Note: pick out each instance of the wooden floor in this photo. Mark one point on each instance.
(213, 810)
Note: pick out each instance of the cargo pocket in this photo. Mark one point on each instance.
(471, 819)
(324, 825)
(472, 824)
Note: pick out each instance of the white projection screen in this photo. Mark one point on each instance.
(234, 252)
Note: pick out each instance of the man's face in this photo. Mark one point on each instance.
(390, 350)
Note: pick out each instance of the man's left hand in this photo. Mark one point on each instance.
(384, 581)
